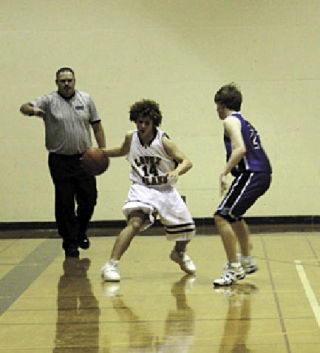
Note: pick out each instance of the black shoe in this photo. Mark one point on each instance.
(84, 242)
(72, 252)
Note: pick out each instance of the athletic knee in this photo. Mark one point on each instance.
(225, 217)
(218, 219)
(135, 224)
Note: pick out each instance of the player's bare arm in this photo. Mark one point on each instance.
(28, 109)
(99, 134)
(233, 129)
(123, 150)
(184, 164)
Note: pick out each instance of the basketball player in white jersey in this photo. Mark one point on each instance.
(156, 163)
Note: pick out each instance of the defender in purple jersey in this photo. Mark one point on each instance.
(249, 164)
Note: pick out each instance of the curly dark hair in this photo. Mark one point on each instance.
(146, 108)
(230, 96)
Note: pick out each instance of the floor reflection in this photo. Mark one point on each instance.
(77, 328)
(237, 323)
(179, 326)
(180, 323)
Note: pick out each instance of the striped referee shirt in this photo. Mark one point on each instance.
(67, 121)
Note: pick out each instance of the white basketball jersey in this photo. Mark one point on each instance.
(151, 163)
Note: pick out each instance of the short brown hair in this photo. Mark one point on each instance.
(230, 96)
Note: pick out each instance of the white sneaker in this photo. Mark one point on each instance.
(110, 271)
(184, 261)
(230, 275)
(247, 263)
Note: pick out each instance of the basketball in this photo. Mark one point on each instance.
(94, 161)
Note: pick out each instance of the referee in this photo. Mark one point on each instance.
(68, 114)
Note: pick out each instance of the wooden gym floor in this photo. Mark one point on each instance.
(49, 304)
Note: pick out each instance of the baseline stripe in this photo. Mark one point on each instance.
(309, 292)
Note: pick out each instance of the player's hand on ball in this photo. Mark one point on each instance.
(105, 152)
(94, 161)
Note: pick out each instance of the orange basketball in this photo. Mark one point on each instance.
(94, 161)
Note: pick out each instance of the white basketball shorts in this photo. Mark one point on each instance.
(168, 204)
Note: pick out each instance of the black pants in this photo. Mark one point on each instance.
(72, 185)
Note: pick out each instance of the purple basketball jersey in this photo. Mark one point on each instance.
(255, 159)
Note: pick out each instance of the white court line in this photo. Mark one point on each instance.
(309, 292)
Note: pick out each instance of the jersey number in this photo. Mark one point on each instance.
(152, 170)
(254, 137)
